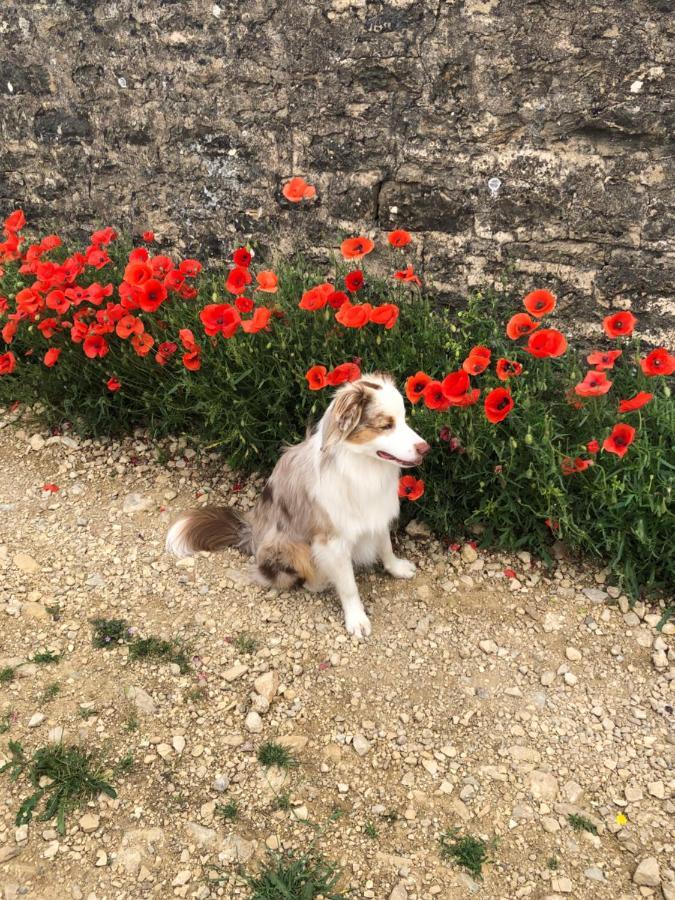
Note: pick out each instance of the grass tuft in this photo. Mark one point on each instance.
(273, 754)
(371, 831)
(465, 850)
(109, 632)
(51, 691)
(46, 658)
(228, 811)
(7, 674)
(156, 648)
(287, 877)
(245, 643)
(581, 823)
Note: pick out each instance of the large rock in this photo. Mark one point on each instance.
(648, 873)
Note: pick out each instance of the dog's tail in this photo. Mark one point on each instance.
(210, 528)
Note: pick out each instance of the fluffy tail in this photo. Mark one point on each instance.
(211, 528)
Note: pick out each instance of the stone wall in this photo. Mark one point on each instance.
(187, 116)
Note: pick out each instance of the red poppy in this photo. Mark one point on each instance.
(520, 325)
(385, 314)
(507, 368)
(128, 325)
(220, 318)
(595, 384)
(113, 384)
(267, 281)
(435, 397)
(658, 362)
(569, 466)
(9, 330)
(539, 303)
(95, 345)
(498, 404)
(50, 488)
(142, 343)
(314, 299)
(603, 359)
(343, 372)
(242, 257)
(58, 301)
(297, 190)
(187, 339)
(165, 351)
(51, 357)
(477, 361)
(415, 385)
(152, 295)
(509, 573)
(410, 488)
(399, 238)
(104, 236)
(353, 316)
(337, 298)
(317, 378)
(593, 446)
(546, 343)
(192, 360)
(408, 275)
(354, 281)
(7, 363)
(355, 248)
(244, 304)
(148, 236)
(137, 272)
(261, 319)
(161, 266)
(642, 398)
(190, 268)
(237, 280)
(456, 384)
(15, 221)
(188, 292)
(29, 301)
(174, 280)
(47, 327)
(620, 439)
(620, 324)
(97, 258)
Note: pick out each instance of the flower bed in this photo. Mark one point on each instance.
(533, 441)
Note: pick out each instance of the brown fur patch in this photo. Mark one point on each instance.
(215, 527)
(267, 495)
(285, 563)
(370, 427)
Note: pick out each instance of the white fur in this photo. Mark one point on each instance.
(175, 539)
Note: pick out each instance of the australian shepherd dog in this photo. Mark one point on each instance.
(328, 505)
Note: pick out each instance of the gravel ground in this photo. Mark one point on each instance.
(497, 705)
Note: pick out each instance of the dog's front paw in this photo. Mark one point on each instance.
(358, 624)
(401, 568)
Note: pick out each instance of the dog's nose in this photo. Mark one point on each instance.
(422, 448)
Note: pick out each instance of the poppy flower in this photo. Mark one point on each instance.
(595, 384)
(104, 236)
(142, 343)
(620, 439)
(385, 314)
(435, 397)
(29, 301)
(317, 378)
(337, 299)
(161, 266)
(188, 292)
(7, 363)
(128, 325)
(593, 446)
(456, 384)
(244, 304)
(152, 295)
(297, 190)
(174, 280)
(343, 372)
(192, 360)
(148, 236)
(187, 339)
(15, 221)
(642, 398)
(9, 330)
(658, 362)
(415, 385)
(47, 327)
(314, 299)
(51, 357)
(267, 281)
(520, 325)
(139, 254)
(95, 345)
(498, 404)
(399, 238)
(620, 324)
(603, 359)
(165, 351)
(539, 303)
(569, 466)
(242, 257)
(50, 488)
(507, 368)
(137, 273)
(477, 361)
(353, 316)
(467, 399)
(190, 268)
(237, 280)
(261, 319)
(354, 281)
(113, 384)
(220, 318)
(410, 488)
(97, 258)
(356, 248)
(408, 275)
(547, 343)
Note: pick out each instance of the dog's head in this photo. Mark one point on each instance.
(368, 417)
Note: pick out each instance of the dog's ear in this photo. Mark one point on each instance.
(345, 413)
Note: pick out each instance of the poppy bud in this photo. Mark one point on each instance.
(528, 438)
(514, 443)
(666, 390)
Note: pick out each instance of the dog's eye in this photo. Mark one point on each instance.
(388, 427)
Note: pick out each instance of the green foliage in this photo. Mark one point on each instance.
(290, 877)
(156, 648)
(273, 754)
(228, 811)
(465, 850)
(51, 691)
(46, 658)
(245, 643)
(7, 674)
(109, 632)
(581, 823)
(371, 831)
(73, 778)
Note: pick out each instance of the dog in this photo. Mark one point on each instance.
(329, 503)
